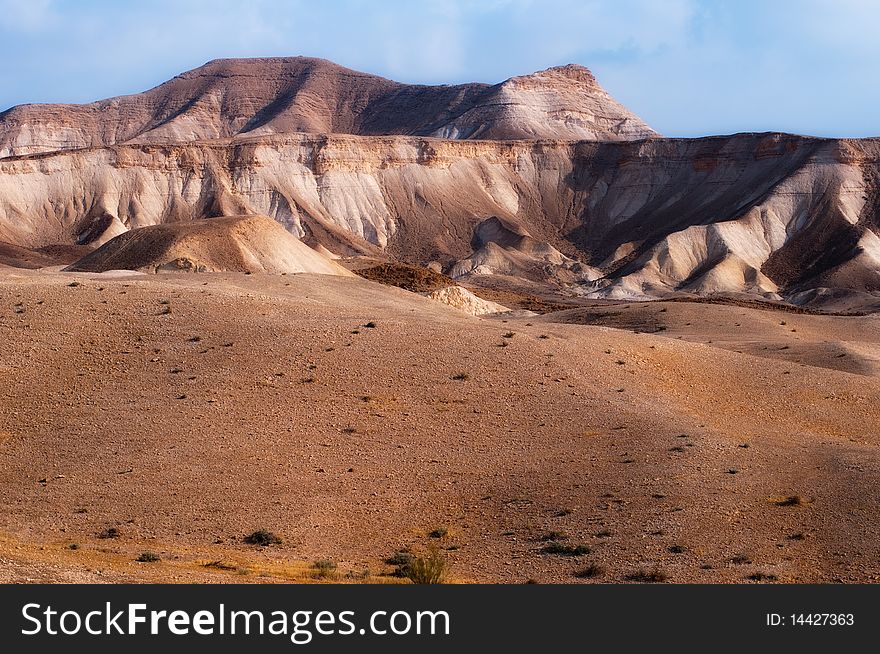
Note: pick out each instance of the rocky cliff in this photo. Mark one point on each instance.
(769, 214)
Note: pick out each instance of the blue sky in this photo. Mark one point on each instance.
(688, 67)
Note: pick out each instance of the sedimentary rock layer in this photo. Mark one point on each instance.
(759, 213)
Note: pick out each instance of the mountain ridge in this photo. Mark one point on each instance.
(619, 220)
(229, 97)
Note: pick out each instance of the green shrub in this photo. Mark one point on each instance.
(553, 535)
(560, 549)
(400, 557)
(793, 500)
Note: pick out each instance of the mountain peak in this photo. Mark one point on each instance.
(255, 63)
(574, 72)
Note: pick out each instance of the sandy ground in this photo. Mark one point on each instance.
(187, 411)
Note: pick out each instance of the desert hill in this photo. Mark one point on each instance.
(250, 244)
(230, 97)
(502, 247)
(13, 256)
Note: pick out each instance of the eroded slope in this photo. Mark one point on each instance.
(765, 214)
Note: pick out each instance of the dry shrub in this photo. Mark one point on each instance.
(428, 569)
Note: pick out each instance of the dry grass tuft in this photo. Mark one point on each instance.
(645, 576)
(148, 557)
(429, 569)
(792, 500)
(590, 572)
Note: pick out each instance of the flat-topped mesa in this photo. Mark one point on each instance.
(568, 72)
(230, 97)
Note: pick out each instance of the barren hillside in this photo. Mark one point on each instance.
(229, 97)
(354, 420)
(248, 244)
(768, 215)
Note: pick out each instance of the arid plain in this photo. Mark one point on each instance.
(188, 410)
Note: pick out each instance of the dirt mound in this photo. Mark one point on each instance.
(231, 244)
(14, 256)
(463, 300)
(506, 248)
(412, 278)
